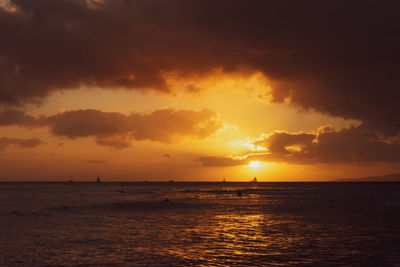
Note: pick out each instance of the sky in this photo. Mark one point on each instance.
(135, 90)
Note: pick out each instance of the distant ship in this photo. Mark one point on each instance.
(224, 181)
(98, 179)
(70, 180)
(254, 180)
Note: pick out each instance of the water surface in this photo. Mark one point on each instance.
(128, 224)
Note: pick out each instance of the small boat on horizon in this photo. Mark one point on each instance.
(254, 180)
(98, 179)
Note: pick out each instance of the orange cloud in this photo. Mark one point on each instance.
(119, 130)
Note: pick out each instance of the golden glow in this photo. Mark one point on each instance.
(240, 100)
(254, 164)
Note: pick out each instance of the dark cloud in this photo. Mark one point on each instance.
(89, 122)
(115, 129)
(336, 57)
(19, 142)
(17, 117)
(118, 142)
(352, 145)
(119, 130)
(278, 142)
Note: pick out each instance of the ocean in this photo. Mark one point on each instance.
(201, 224)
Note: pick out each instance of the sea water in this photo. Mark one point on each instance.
(202, 224)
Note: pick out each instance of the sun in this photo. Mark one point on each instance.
(254, 164)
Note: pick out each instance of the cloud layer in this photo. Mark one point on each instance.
(19, 142)
(354, 145)
(337, 57)
(119, 130)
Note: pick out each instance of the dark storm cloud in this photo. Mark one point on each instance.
(19, 142)
(336, 57)
(117, 129)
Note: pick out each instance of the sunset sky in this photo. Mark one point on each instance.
(135, 90)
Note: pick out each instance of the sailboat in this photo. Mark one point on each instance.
(254, 180)
(98, 179)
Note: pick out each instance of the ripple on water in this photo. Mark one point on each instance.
(200, 225)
